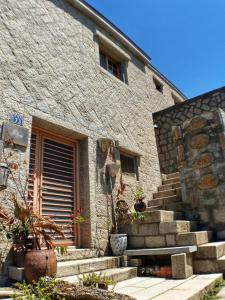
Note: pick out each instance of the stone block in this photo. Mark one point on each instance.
(170, 240)
(155, 241)
(135, 262)
(158, 216)
(194, 238)
(202, 266)
(211, 250)
(182, 265)
(208, 182)
(16, 274)
(148, 229)
(136, 242)
(199, 141)
(174, 227)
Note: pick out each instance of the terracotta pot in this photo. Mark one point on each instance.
(140, 206)
(39, 263)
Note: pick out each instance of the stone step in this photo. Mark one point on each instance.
(172, 175)
(174, 206)
(116, 274)
(159, 216)
(69, 268)
(221, 263)
(151, 208)
(166, 193)
(172, 180)
(211, 250)
(175, 227)
(74, 253)
(194, 238)
(170, 186)
(164, 201)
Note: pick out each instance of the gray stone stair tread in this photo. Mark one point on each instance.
(212, 244)
(107, 272)
(161, 251)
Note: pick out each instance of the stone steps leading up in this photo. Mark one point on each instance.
(172, 175)
(164, 201)
(172, 180)
(116, 274)
(167, 187)
(74, 253)
(69, 268)
(166, 193)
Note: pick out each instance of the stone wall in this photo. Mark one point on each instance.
(50, 74)
(201, 162)
(175, 116)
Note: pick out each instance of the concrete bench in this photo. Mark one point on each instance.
(181, 258)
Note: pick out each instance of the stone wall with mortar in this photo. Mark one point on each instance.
(175, 116)
(50, 74)
(201, 161)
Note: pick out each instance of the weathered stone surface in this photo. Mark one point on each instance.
(208, 182)
(222, 139)
(203, 161)
(182, 265)
(197, 123)
(135, 262)
(136, 242)
(148, 229)
(177, 131)
(155, 241)
(170, 239)
(194, 238)
(158, 216)
(199, 141)
(180, 153)
(174, 227)
(211, 250)
(161, 251)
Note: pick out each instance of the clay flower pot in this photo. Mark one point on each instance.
(39, 263)
(140, 205)
(118, 243)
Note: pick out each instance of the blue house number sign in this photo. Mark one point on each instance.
(16, 119)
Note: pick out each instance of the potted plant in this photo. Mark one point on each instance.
(139, 196)
(118, 241)
(30, 231)
(104, 282)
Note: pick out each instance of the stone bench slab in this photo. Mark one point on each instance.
(161, 251)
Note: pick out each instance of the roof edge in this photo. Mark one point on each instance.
(204, 95)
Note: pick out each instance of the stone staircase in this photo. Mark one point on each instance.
(76, 262)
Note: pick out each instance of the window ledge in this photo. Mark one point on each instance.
(112, 46)
(128, 149)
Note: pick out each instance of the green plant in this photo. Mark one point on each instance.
(104, 280)
(139, 194)
(212, 293)
(79, 219)
(44, 289)
(137, 216)
(62, 250)
(91, 280)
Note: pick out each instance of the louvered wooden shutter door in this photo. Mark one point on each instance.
(52, 164)
(58, 184)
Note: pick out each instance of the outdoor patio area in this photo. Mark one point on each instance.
(146, 288)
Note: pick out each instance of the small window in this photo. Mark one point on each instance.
(128, 164)
(158, 85)
(113, 66)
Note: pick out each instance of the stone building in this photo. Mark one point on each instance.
(71, 78)
(81, 101)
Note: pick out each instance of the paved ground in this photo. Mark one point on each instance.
(143, 288)
(221, 294)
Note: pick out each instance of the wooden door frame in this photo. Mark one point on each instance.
(41, 134)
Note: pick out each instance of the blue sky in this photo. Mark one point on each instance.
(184, 38)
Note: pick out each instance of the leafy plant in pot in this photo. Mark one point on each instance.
(139, 196)
(30, 233)
(118, 241)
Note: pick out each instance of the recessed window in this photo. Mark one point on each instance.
(176, 99)
(158, 85)
(113, 66)
(128, 164)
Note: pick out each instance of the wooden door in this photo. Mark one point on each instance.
(53, 180)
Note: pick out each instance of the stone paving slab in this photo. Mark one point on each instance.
(151, 288)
